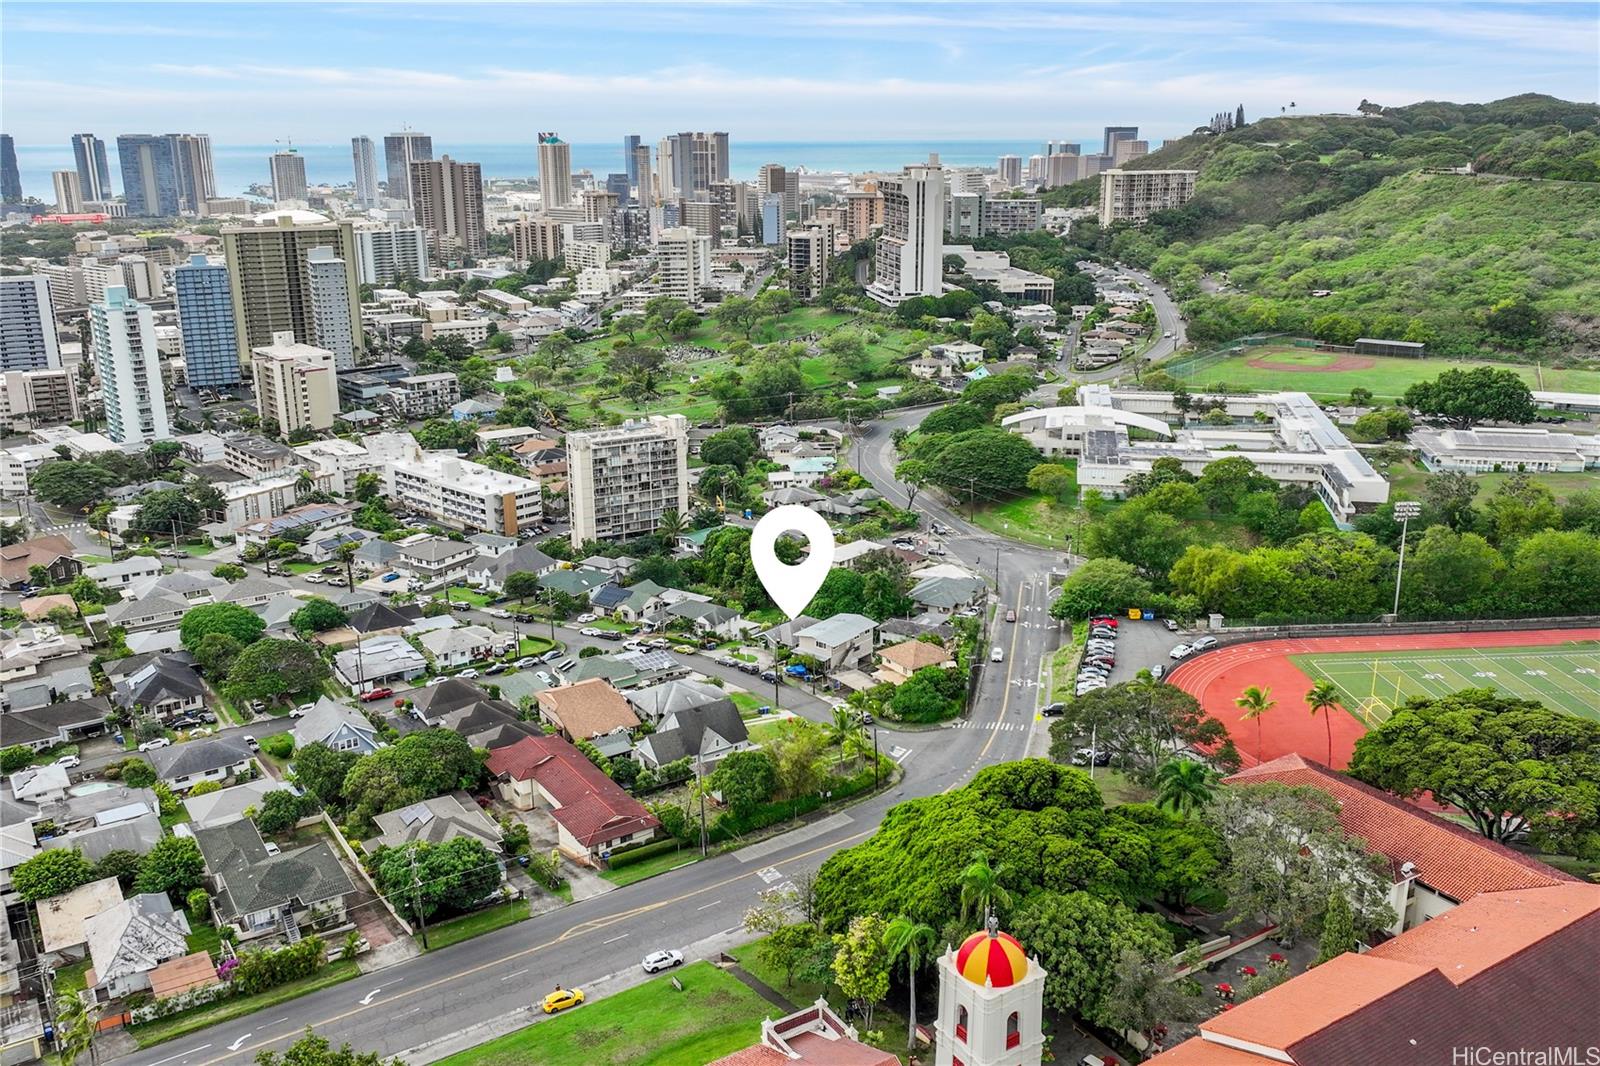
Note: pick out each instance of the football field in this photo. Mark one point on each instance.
(1371, 684)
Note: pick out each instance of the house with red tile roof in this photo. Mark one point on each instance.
(593, 815)
(814, 1036)
(1505, 970)
(1436, 864)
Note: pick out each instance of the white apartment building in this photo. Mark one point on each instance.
(587, 255)
(474, 331)
(465, 495)
(330, 304)
(340, 461)
(621, 480)
(68, 190)
(27, 327)
(31, 398)
(425, 395)
(1134, 195)
(1285, 435)
(385, 254)
(996, 269)
(683, 260)
(808, 251)
(263, 497)
(364, 157)
(295, 384)
(910, 259)
(555, 171)
(124, 332)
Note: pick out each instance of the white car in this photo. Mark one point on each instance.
(432, 681)
(587, 616)
(591, 631)
(996, 655)
(1182, 651)
(68, 762)
(158, 742)
(657, 961)
(1168, 334)
(497, 612)
(469, 672)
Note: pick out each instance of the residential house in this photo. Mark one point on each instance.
(842, 642)
(194, 587)
(310, 520)
(593, 815)
(628, 669)
(379, 662)
(183, 766)
(22, 655)
(850, 555)
(449, 648)
(119, 575)
(62, 918)
(586, 710)
(964, 352)
(897, 629)
(375, 556)
(542, 458)
(375, 619)
(338, 726)
(802, 473)
(579, 582)
(635, 603)
(325, 545)
(166, 687)
(708, 619)
(431, 703)
(41, 784)
(259, 893)
(38, 608)
(787, 635)
(784, 497)
(434, 562)
(128, 941)
(706, 733)
(488, 724)
(42, 728)
(693, 542)
(148, 612)
(135, 828)
(63, 684)
(616, 566)
(212, 809)
(489, 572)
(944, 596)
(898, 662)
(54, 553)
(434, 821)
(655, 702)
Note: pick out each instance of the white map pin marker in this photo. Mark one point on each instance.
(791, 587)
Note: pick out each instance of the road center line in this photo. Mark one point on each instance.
(614, 939)
(708, 906)
(180, 1055)
(509, 976)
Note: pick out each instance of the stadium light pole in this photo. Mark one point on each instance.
(1405, 510)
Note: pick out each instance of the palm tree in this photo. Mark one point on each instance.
(1255, 702)
(75, 1029)
(1323, 698)
(670, 524)
(913, 940)
(857, 747)
(981, 888)
(845, 721)
(1183, 785)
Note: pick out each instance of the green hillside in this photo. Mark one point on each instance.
(1288, 205)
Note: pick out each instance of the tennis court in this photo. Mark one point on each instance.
(1372, 683)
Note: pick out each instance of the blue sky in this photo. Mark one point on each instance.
(488, 73)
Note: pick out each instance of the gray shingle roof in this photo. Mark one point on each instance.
(252, 880)
(198, 756)
(683, 733)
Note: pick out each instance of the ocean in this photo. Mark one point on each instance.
(239, 166)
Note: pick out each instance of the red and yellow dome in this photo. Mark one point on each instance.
(993, 958)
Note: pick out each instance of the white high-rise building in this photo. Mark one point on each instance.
(69, 191)
(465, 495)
(330, 306)
(910, 259)
(288, 175)
(622, 480)
(1134, 195)
(295, 384)
(27, 325)
(125, 355)
(365, 158)
(555, 171)
(684, 259)
(809, 248)
(1010, 169)
(385, 254)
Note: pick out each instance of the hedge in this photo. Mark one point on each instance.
(279, 745)
(641, 852)
(729, 825)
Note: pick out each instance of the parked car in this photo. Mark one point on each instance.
(158, 742)
(769, 676)
(661, 643)
(315, 579)
(69, 762)
(551, 656)
(1157, 671)
(333, 568)
(636, 645)
(391, 576)
(662, 960)
(1051, 710)
(497, 668)
(251, 742)
(1104, 620)
(997, 654)
(935, 548)
(1202, 643)
(1083, 756)
(544, 678)
(586, 617)
(461, 606)
(591, 631)
(432, 681)
(526, 661)
(525, 618)
(749, 668)
(1182, 651)
(1170, 625)
(468, 672)
(377, 694)
(561, 999)
(610, 634)
(497, 612)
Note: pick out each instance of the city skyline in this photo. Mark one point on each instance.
(958, 71)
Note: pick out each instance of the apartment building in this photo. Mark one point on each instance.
(448, 199)
(68, 191)
(775, 179)
(705, 217)
(683, 259)
(205, 319)
(295, 384)
(27, 326)
(1004, 216)
(387, 253)
(1134, 195)
(94, 175)
(330, 302)
(465, 495)
(288, 169)
(555, 171)
(270, 278)
(426, 395)
(254, 456)
(910, 258)
(864, 210)
(622, 480)
(124, 333)
(1010, 171)
(536, 238)
(30, 398)
(400, 150)
(340, 461)
(364, 159)
(149, 174)
(808, 251)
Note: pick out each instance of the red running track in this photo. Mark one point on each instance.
(1217, 677)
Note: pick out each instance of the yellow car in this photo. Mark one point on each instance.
(561, 999)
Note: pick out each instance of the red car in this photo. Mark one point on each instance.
(377, 694)
(1104, 621)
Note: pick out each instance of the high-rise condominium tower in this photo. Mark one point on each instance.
(400, 150)
(124, 333)
(69, 193)
(630, 164)
(205, 319)
(330, 305)
(195, 170)
(94, 175)
(910, 260)
(1113, 134)
(270, 279)
(365, 158)
(10, 176)
(27, 326)
(448, 199)
(623, 480)
(288, 175)
(149, 174)
(555, 171)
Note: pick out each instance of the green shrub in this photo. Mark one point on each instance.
(639, 852)
(279, 745)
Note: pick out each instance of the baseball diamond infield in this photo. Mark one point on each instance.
(1554, 666)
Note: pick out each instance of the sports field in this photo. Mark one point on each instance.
(1562, 676)
(1331, 375)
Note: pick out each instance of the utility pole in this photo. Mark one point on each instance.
(1405, 510)
(874, 757)
(416, 898)
(700, 780)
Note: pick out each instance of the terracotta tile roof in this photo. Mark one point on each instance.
(913, 655)
(1449, 858)
(1200, 1052)
(755, 1055)
(182, 974)
(593, 808)
(587, 708)
(1324, 996)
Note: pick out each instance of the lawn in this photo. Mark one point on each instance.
(762, 732)
(747, 703)
(650, 867)
(534, 646)
(652, 1024)
(1409, 477)
(1563, 676)
(1387, 377)
(177, 1025)
(204, 938)
(72, 978)
(467, 926)
(463, 594)
(1033, 518)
